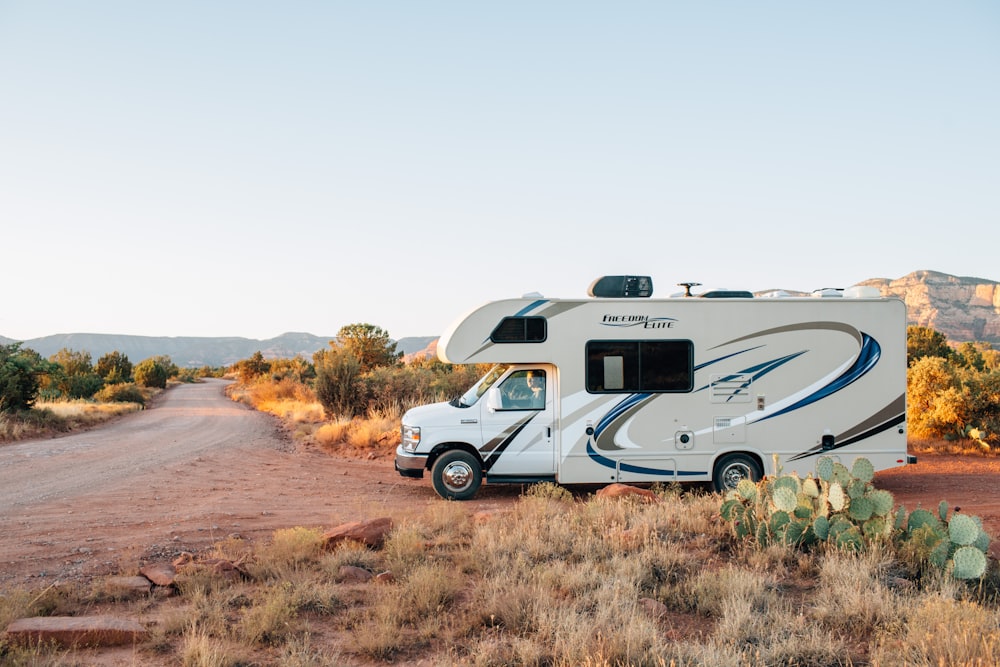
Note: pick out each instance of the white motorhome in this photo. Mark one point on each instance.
(616, 388)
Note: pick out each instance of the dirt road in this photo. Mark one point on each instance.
(197, 468)
(181, 476)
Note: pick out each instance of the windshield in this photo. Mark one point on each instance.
(477, 390)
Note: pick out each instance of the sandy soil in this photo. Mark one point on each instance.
(198, 468)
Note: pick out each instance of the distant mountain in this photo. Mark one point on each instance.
(962, 308)
(195, 352)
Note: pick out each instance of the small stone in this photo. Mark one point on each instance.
(161, 574)
(350, 574)
(127, 588)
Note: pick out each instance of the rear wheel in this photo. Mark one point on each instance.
(732, 468)
(457, 475)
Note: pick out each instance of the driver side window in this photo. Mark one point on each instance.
(523, 390)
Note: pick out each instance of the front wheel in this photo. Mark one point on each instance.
(457, 475)
(735, 467)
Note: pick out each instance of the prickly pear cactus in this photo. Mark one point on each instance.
(840, 506)
(863, 470)
(968, 563)
(882, 502)
(784, 499)
(824, 468)
(920, 518)
(860, 509)
(850, 539)
(962, 529)
(836, 497)
(841, 473)
(746, 490)
(821, 527)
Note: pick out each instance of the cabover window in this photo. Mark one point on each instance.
(520, 330)
(639, 366)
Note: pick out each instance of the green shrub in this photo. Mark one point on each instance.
(114, 367)
(121, 393)
(20, 377)
(338, 386)
(150, 373)
(83, 385)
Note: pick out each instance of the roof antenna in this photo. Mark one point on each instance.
(687, 288)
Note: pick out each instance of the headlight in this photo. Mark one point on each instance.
(411, 437)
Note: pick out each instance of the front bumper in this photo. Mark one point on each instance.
(410, 465)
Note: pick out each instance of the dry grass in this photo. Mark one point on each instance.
(87, 413)
(967, 447)
(556, 580)
(51, 418)
(375, 434)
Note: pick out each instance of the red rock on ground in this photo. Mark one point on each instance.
(371, 533)
(624, 490)
(71, 631)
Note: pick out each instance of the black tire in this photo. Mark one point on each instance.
(731, 468)
(457, 475)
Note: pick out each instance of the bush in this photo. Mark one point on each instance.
(72, 374)
(121, 393)
(84, 385)
(338, 389)
(150, 373)
(114, 367)
(252, 368)
(20, 377)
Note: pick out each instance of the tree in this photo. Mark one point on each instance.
(370, 344)
(72, 361)
(926, 342)
(114, 368)
(75, 376)
(168, 365)
(936, 401)
(297, 368)
(338, 389)
(252, 368)
(970, 355)
(151, 373)
(20, 373)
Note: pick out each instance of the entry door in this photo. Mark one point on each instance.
(518, 424)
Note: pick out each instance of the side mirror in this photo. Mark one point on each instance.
(493, 399)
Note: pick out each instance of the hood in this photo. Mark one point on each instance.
(437, 414)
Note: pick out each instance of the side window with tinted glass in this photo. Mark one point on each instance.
(639, 366)
(523, 390)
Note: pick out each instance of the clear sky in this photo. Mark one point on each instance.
(250, 168)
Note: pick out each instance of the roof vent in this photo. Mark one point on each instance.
(727, 294)
(862, 292)
(629, 287)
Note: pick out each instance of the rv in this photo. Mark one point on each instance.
(622, 387)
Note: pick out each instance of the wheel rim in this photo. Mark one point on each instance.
(457, 476)
(734, 473)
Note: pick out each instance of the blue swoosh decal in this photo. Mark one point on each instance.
(762, 369)
(617, 411)
(870, 353)
(629, 467)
